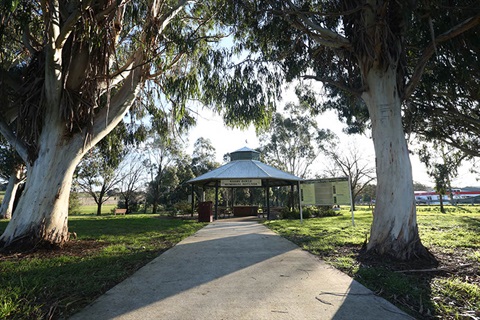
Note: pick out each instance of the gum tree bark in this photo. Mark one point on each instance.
(47, 188)
(41, 216)
(6, 208)
(394, 228)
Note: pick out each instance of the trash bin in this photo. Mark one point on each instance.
(205, 212)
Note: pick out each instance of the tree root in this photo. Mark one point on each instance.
(34, 240)
(416, 256)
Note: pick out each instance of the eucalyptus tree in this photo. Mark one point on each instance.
(293, 142)
(96, 176)
(368, 194)
(71, 70)
(373, 58)
(184, 172)
(445, 107)
(203, 157)
(12, 192)
(203, 161)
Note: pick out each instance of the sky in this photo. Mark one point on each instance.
(225, 140)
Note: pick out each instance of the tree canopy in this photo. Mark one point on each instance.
(294, 141)
(379, 63)
(71, 70)
(431, 43)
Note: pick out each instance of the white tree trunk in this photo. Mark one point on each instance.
(42, 213)
(40, 217)
(9, 199)
(394, 229)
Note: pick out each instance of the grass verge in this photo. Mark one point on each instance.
(452, 291)
(108, 249)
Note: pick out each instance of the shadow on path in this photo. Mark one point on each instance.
(238, 270)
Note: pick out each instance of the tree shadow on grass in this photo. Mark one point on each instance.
(55, 287)
(472, 223)
(405, 284)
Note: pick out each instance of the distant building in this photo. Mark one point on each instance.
(465, 195)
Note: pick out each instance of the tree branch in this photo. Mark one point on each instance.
(322, 35)
(175, 61)
(27, 40)
(355, 92)
(53, 56)
(166, 18)
(108, 10)
(67, 29)
(121, 73)
(108, 117)
(7, 132)
(430, 50)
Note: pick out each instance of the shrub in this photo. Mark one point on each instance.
(295, 213)
(327, 211)
(310, 211)
(133, 206)
(184, 207)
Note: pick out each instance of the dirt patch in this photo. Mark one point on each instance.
(459, 263)
(73, 248)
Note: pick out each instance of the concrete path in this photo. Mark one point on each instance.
(239, 270)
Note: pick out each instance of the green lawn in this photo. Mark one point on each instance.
(108, 249)
(452, 237)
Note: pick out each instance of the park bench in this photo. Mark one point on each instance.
(120, 211)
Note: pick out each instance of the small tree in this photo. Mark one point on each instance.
(352, 164)
(74, 202)
(368, 194)
(442, 163)
(162, 153)
(97, 176)
(294, 142)
(97, 173)
(203, 157)
(203, 160)
(184, 173)
(133, 171)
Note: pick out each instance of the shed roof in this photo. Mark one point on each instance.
(246, 169)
